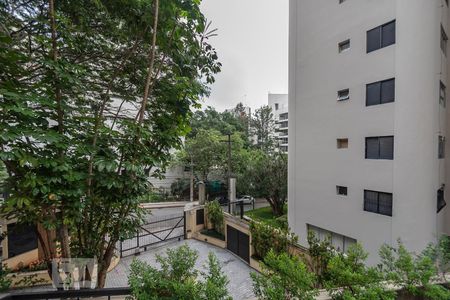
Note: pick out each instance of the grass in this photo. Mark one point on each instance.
(265, 215)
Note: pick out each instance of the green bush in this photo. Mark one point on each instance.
(266, 238)
(215, 215)
(283, 277)
(178, 279)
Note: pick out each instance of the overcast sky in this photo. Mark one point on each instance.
(252, 45)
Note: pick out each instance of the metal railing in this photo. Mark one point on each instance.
(71, 294)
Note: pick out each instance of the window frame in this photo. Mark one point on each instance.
(380, 156)
(341, 190)
(378, 211)
(342, 44)
(444, 41)
(343, 95)
(442, 94)
(380, 84)
(380, 43)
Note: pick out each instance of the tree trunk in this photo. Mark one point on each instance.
(104, 265)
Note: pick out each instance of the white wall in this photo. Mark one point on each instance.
(317, 119)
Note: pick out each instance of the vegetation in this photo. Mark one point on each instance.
(215, 215)
(263, 127)
(283, 277)
(178, 278)
(346, 275)
(266, 238)
(265, 215)
(94, 94)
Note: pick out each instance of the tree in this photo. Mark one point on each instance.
(349, 278)
(178, 278)
(415, 275)
(263, 127)
(94, 94)
(283, 277)
(268, 173)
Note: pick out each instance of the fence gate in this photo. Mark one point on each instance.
(155, 230)
(238, 243)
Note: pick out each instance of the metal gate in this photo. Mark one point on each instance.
(156, 230)
(238, 243)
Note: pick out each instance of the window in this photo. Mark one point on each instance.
(276, 106)
(341, 190)
(380, 92)
(339, 241)
(441, 147)
(378, 202)
(381, 36)
(380, 147)
(284, 124)
(440, 199)
(446, 2)
(444, 40)
(342, 143)
(284, 116)
(344, 46)
(341, 1)
(343, 95)
(442, 94)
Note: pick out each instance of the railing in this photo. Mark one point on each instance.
(71, 294)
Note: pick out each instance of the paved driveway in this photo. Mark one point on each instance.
(238, 272)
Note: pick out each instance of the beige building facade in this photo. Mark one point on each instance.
(368, 121)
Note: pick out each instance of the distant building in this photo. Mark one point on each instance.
(279, 105)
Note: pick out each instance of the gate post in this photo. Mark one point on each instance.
(184, 225)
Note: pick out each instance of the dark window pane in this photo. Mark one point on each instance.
(373, 94)
(373, 39)
(440, 200)
(372, 148)
(387, 147)
(388, 91)
(371, 201)
(441, 147)
(21, 239)
(385, 204)
(388, 34)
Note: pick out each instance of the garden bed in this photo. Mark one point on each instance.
(265, 215)
(214, 234)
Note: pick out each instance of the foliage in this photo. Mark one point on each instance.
(265, 215)
(5, 281)
(414, 274)
(440, 254)
(215, 285)
(94, 94)
(3, 176)
(180, 188)
(266, 238)
(215, 215)
(283, 277)
(268, 178)
(177, 278)
(349, 278)
(213, 233)
(320, 253)
(263, 127)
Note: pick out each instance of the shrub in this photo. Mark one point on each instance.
(215, 215)
(266, 238)
(177, 278)
(349, 278)
(415, 274)
(5, 281)
(283, 277)
(320, 253)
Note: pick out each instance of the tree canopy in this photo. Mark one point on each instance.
(94, 94)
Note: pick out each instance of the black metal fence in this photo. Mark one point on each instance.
(108, 293)
(156, 230)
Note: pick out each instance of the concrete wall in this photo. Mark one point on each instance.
(317, 71)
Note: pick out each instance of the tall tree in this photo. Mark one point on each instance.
(263, 127)
(93, 95)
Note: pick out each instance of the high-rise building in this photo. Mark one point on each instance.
(368, 121)
(279, 105)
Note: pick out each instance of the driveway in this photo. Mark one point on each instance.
(238, 272)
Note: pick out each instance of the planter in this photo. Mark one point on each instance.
(255, 264)
(210, 240)
(27, 279)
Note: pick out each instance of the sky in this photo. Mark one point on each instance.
(252, 45)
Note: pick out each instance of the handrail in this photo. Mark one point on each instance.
(66, 294)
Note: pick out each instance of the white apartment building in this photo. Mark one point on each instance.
(279, 105)
(368, 121)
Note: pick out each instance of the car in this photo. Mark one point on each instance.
(246, 199)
